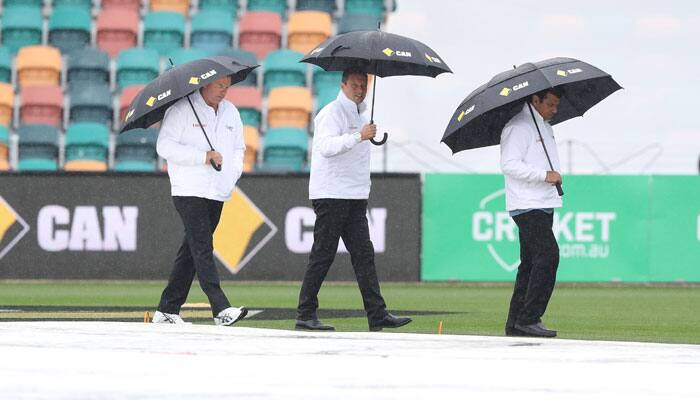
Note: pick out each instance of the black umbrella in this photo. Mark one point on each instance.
(480, 118)
(149, 106)
(379, 53)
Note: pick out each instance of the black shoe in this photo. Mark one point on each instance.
(313, 325)
(389, 321)
(536, 330)
(511, 331)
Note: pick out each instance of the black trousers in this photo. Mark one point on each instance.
(336, 218)
(200, 218)
(537, 273)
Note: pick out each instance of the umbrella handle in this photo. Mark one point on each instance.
(215, 165)
(381, 142)
(559, 189)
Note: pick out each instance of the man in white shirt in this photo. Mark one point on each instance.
(530, 199)
(199, 193)
(338, 188)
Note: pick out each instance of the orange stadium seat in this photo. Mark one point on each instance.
(126, 98)
(41, 105)
(132, 5)
(117, 29)
(181, 6)
(307, 29)
(251, 136)
(38, 65)
(248, 101)
(4, 149)
(289, 107)
(260, 32)
(7, 102)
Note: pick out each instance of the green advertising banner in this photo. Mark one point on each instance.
(611, 228)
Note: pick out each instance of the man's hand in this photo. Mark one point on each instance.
(553, 177)
(214, 155)
(368, 131)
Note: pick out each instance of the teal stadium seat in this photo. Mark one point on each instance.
(183, 56)
(137, 66)
(327, 6)
(247, 57)
(90, 103)
(212, 31)
(275, 6)
(324, 80)
(357, 22)
(84, 4)
(87, 141)
(21, 26)
(70, 28)
(229, 6)
(325, 96)
(371, 7)
(284, 149)
(5, 65)
(163, 31)
(38, 148)
(282, 68)
(89, 64)
(135, 150)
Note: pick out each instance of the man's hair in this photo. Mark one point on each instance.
(555, 91)
(352, 71)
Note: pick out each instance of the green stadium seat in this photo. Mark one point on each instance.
(88, 65)
(90, 103)
(137, 66)
(21, 26)
(357, 22)
(325, 96)
(285, 149)
(324, 80)
(38, 148)
(23, 3)
(182, 56)
(5, 65)
(137, 145)
(87, 141)
(212, 31)
(135, 166)
(70, 28)
(163, 31)
(84, 4)
(371, 7)
(247, 57)
(282, 68)
(275, 6)
(229, 6)
(328, 6)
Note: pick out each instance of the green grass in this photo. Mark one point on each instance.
(628, 313)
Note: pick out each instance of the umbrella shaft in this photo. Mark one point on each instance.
(200, 123)
(374, 91)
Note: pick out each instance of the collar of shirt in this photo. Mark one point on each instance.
(351, 105)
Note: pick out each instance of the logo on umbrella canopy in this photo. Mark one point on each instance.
(194, 80)
(506, 91)
(568, 72)
(131, 112)
(465, 112)
(389, 52)
(433, 59)
(317, 50)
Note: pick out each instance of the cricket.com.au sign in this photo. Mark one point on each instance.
(621, 228)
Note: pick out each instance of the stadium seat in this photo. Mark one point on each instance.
(125, 99)
(325, 96)
(289, 107)
(307, 29)
(163, 31)
(88, 65)
(212, 31)
(84, 4)
(130, 5)
(90, 103)
(5, 65)
(248, 100)
(23, 3)
(285, 149)
(178, 6)
(21, 26)
(117, 30)
(7, 103)
(260, 32)
(70, 28)
(41, 105)
(276, 6)
(327, 6)
(135, 150)
(38, 65)
(182, 56)
(282, 68)
(5, 149)
(229, 6)
(371, 7)
(251, 137)
(87, 144)
(137, 66)
(325, 80)
(357, 22)
(247, 57)
(37, 148)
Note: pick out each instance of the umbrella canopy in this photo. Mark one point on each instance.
(149, 106)
(480, 118)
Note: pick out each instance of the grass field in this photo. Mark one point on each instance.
(598, 312)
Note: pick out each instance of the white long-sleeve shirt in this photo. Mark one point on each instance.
(339, 162)
(182, 143)
(525, 165)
